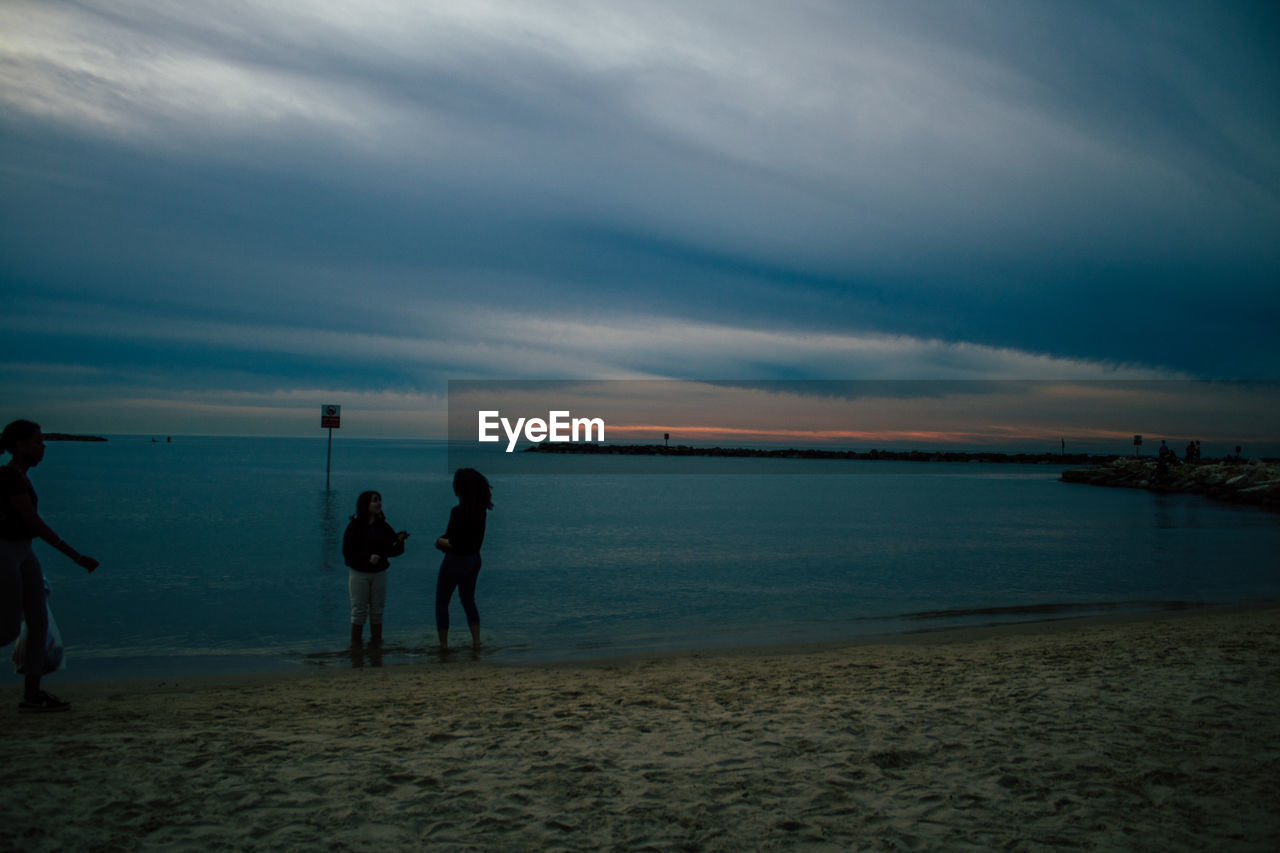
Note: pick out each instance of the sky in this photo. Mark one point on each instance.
(1023, 416)
(215, 218)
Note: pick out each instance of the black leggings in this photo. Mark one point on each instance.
(460, 573)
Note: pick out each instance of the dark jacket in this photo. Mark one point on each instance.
(361, 540)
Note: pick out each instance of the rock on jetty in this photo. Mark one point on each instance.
(1252, 482)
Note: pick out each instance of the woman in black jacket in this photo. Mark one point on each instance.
(367, 546)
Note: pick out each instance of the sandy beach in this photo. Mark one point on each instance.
(1155, 733)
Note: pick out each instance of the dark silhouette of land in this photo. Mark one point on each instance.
(589, 448)
(1253, 482)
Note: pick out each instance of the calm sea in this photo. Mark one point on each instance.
(224, 554)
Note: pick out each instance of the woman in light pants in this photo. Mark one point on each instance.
(368, 592)
(367, 547)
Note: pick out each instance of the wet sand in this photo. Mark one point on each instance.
(1155, 733)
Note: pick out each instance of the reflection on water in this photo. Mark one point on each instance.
(360, 654)
(332, 526)
(379, 654)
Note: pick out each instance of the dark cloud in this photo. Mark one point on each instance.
(958, 187)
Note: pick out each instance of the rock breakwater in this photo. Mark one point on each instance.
(1251, 482)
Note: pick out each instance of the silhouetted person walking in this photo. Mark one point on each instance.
(22, 595)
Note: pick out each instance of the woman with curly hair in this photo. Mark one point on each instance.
(461, 546)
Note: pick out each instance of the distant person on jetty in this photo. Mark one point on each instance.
(22, 595)
(367, 547)
(461, 546)
(1165, 459)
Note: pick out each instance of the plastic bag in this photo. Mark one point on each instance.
(54, 656)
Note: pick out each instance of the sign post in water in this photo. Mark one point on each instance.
(331, 418)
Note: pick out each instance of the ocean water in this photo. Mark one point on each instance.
(224, 554)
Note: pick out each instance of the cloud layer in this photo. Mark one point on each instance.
(372, 199)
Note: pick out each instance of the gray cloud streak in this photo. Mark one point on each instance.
(1056, 187)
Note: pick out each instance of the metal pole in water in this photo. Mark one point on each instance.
(331, 418)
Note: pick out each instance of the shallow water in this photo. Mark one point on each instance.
(224, 554)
